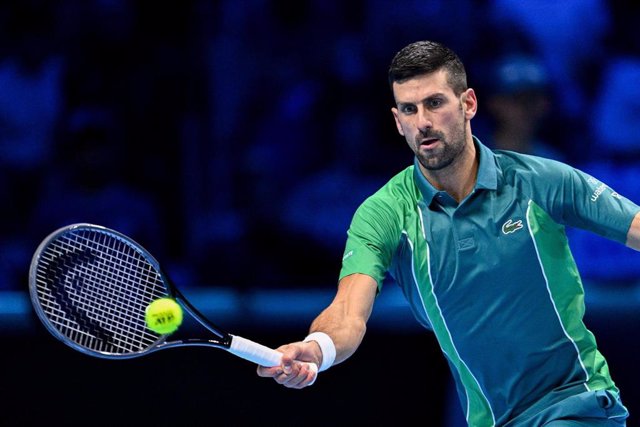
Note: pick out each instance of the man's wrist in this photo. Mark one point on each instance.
(327, 347)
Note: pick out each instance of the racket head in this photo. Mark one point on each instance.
(90, 286)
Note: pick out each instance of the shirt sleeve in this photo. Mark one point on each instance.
(371, 240)
(590, 204)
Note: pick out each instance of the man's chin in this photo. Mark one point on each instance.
(433, 163)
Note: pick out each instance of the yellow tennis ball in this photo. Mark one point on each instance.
(163, 316)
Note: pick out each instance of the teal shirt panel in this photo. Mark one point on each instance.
(493, 276)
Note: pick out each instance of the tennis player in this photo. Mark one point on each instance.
(476, 240)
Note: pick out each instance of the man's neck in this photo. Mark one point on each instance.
(459, 178)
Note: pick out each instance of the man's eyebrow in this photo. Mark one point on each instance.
(433, 95)
(423, 100)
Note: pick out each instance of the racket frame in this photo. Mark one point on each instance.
(239, 346)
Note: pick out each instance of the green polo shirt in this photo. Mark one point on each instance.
(493, 276)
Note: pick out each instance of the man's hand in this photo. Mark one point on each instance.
(293, 372)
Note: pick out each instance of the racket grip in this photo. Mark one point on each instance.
(254, 352)
(260, 354)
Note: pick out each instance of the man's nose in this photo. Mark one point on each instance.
(424, 120)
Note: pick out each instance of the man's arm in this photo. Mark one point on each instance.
(633, 236)
(344, 321)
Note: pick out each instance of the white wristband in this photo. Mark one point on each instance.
(327, 347)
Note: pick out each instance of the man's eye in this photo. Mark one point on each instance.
(434, 103)
(409, 109)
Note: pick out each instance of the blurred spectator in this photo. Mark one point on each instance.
(31, 72)
(616, 107)
(88, 181)
(31, 102)
(319, 206)
(519, 102)
(272, 128)
(568, 35)
(130, 84)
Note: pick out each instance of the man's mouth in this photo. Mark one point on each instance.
(428, 142)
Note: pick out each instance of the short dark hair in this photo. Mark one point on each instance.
(426, 57)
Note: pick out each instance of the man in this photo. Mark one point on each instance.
(476, 241)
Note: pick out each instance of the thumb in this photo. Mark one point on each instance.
(289, 355)
(287, 362)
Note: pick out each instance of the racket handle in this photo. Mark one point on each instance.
(259, 354)
(254, 352)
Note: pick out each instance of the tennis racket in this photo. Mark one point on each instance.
(90, 286)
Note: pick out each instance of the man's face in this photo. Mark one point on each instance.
(433, 120)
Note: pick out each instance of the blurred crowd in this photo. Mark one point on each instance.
(234, 139)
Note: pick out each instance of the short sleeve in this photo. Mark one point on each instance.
(590, 204)
(371, 240)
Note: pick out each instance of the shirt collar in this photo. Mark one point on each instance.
(487, 173)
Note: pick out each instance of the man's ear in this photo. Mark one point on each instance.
(394, 111)
(469, 103)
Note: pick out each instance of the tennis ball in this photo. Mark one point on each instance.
(163, 316)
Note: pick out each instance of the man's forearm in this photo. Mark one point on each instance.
(345, 332)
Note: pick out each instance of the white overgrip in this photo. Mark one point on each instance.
(254, 352)
(260, 354)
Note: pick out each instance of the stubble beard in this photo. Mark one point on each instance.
(449, 151)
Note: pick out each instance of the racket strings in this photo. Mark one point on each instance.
(94, 287)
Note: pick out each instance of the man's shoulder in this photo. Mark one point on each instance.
(513, 163)
(396, 195)
(400, 186)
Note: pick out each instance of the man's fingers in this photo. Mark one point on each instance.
(301, 375)
(268, 372)
(291, 373)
